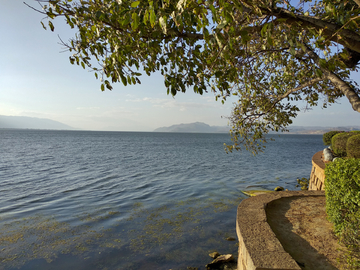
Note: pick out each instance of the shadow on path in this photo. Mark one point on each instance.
(301, 226)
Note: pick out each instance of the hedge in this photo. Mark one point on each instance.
(328, 135)
(342, 189)
(353, 146)
(338, 143)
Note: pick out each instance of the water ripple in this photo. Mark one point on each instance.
(158, 191)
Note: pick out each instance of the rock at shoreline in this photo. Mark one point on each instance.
(214, 255)
(223, 262)
(252, 193)
(231, 239)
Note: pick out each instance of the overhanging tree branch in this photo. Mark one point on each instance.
(343, 86)
(336, 33)
(291, 91)
(250, 48)
(357, 2)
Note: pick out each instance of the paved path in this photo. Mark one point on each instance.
(301, 226)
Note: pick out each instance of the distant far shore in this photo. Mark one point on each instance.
(199, 127)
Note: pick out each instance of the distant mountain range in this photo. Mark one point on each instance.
(318, 129)
(199, 127)
(24, 122)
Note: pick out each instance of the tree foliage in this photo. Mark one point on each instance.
(268, 53)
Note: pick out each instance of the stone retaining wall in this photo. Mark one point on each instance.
(259, 248)
(317, 176)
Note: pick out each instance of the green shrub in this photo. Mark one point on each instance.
(342, 189)
(328, 135)
(338, 143)
(353, 146)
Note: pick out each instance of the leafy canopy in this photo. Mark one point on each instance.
(268, 53)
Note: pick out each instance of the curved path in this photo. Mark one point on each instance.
(286, 230)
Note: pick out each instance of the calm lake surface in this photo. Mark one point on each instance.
(130, 200)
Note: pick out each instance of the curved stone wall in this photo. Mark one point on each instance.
(259, 248)
(317, 176)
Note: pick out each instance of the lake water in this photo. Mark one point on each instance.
(131, 200)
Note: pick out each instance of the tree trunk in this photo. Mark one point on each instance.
(357, 2)
(351, 95)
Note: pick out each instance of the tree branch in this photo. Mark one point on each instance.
(349, 92)
(42, 12)
(307, 84)
(345, 37)
(351, 95)
(357, 2)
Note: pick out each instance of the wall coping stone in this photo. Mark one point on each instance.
(317, 160)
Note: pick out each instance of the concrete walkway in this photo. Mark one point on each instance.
(286, 230)
(301, 226)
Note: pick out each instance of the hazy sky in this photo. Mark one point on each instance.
(37, 80)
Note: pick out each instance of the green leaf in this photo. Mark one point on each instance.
(292, 51)
(135, 4)
(222, 24)
(218, 74)
(206, 33)
(152, 18)
(322, 62)
(162, 22)
(51, 26)
(264, 29)
(99, 15)
(318, 73)
(135, 21)
(43, 25)
(146, 17)
(123, 79)
(108, 85)
(244, 36)
(50, 14)
(126, 20)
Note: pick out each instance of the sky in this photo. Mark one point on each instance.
(37, 80)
